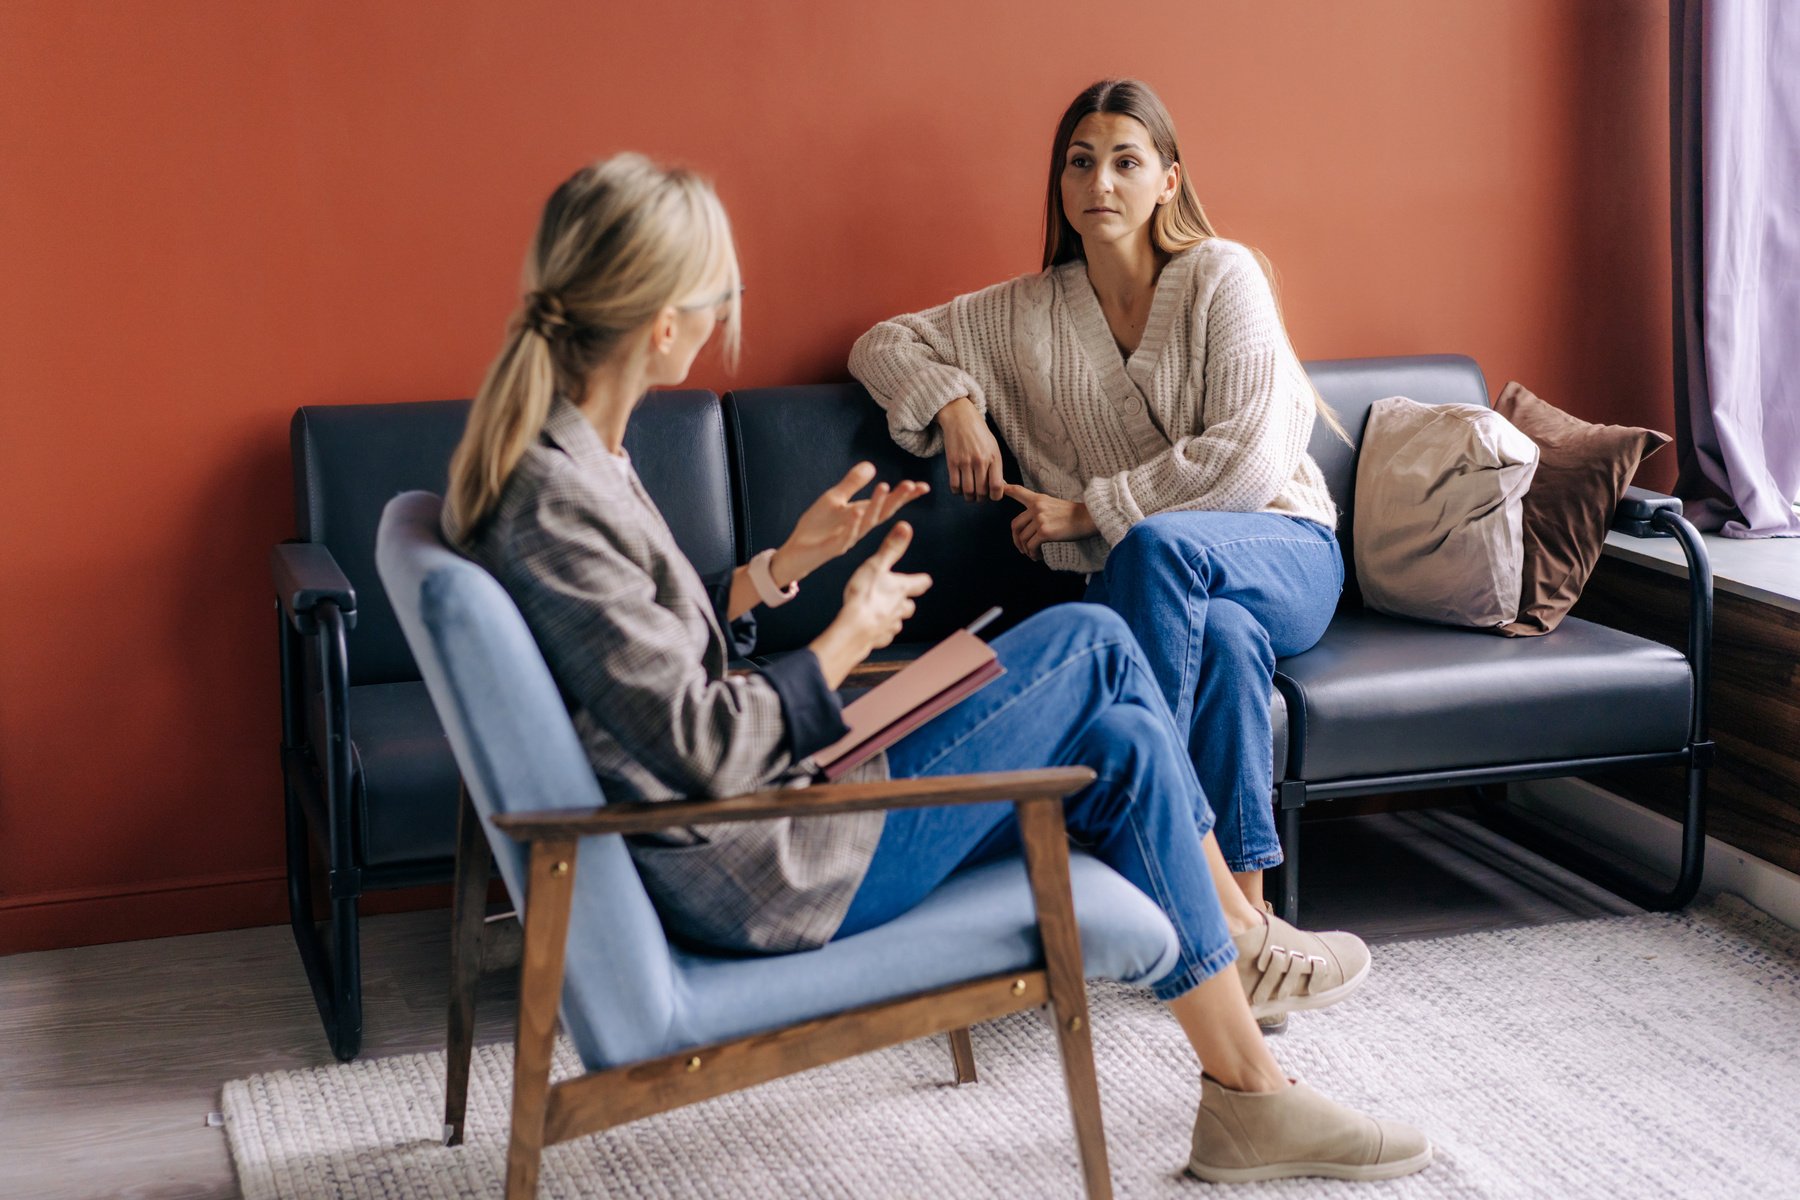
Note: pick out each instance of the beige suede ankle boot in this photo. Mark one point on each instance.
(1286, 970)
(1245, 1136)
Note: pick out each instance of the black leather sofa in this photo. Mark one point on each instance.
(1380, 705)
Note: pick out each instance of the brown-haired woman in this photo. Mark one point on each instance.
(1146, 385)
(632, 271)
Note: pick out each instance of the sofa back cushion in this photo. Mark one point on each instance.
(349, 460)
(792, 443)
(1351, 386)
(678, 446)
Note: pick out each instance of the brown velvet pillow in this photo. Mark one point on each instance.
(1582, 472)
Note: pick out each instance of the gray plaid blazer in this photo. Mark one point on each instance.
(632, 640)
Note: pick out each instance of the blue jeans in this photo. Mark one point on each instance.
(1214, 599)
(1077, 692)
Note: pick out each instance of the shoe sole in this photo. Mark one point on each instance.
(1294, 1004)
(1271, 1026)
(1387, 1170)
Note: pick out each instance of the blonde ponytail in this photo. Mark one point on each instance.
(508, 413)
(618, 242)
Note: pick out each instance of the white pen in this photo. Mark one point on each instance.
(981, 622)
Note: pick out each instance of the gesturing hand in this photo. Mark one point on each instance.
(878, 600)
(835, 522)
(970, 451)
(1047, 519)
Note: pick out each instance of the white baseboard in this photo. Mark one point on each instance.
(1600, 817)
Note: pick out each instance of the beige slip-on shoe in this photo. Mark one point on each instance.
(1284, 969)
(1244, 1136)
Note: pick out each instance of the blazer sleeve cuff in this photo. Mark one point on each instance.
(814, 714)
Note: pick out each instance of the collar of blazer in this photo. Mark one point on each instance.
(565, 427)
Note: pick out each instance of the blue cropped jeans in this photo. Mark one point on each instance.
(1077, 692)
(1214, 599)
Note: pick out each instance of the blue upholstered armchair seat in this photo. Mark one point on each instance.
(981, 922)
(628, 994)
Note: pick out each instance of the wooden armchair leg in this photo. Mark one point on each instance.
(468, 905)
(1045, 837)
(549, 891)
(962, 1053)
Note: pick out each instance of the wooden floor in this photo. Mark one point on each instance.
(111, 1057)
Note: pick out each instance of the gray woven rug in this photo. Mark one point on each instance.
(1633, 1056)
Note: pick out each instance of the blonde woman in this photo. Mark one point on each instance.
(632, 272)
(1146, 386)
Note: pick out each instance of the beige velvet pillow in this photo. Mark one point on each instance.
(1439, 529)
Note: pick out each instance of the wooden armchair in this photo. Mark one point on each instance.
(658, 1025)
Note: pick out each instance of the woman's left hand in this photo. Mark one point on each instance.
(836, 521)
(1047, 519)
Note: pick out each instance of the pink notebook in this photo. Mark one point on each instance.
(956, 667)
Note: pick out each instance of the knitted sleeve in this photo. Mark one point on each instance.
(1255, 418)
(914, 365)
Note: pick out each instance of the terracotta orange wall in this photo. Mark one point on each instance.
(212, 212)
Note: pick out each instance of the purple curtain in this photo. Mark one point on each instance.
(1735, 103)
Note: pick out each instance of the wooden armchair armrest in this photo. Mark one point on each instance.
(818, 800)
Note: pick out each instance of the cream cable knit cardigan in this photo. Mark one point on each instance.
(1212, 410)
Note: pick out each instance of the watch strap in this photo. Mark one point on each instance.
(763, 580)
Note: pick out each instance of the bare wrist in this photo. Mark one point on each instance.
(840, 648)
(956, 410)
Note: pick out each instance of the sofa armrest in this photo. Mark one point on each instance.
(306, 576)
(1637, 513)
(1646, 514)
(819, 800)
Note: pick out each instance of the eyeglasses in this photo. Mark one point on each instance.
(721, 307)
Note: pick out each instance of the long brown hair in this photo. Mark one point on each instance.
(1177, 225)
(618, 241)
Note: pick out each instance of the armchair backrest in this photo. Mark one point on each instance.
(518, 752)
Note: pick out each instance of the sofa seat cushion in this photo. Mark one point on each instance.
(981, 922)
(406, 777)
(1382, 696)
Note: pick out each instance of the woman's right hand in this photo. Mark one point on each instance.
(877, 601)
(970, 451)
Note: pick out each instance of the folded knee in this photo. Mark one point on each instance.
(1126, 734)
(1131, 724)
(1146, 546)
